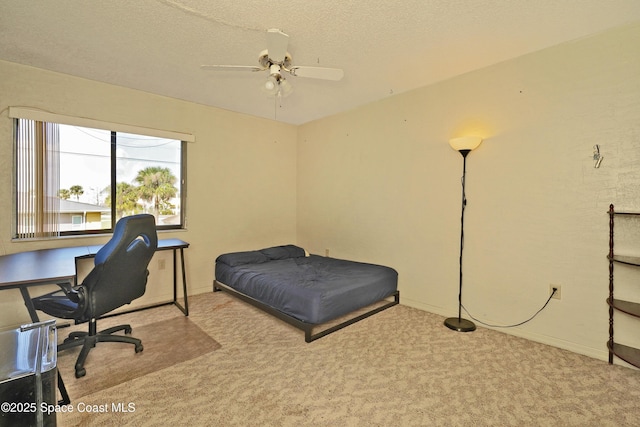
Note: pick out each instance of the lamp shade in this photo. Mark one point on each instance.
(270, 86)
(465, 143)
(285, 88)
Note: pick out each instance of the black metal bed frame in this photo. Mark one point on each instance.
(306, 327)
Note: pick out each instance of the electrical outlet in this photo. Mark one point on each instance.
(558, 294)
(161, 264)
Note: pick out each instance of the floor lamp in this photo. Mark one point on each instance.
(464, 146)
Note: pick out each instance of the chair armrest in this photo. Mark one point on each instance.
(74, 294)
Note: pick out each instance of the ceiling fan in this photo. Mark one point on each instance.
(277, 61)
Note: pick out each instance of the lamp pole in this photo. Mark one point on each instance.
(458, 323)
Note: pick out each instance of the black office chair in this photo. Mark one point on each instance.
(119, 276)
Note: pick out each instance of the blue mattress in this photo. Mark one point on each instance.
(311, 288)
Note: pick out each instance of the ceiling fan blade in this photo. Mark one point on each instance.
(277, 43)
(317, 73)
(231, 68)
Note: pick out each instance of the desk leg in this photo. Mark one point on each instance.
(27, 302)
(34, 318)
(64, 396)
(185, 309)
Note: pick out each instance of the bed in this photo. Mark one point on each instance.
(306, 290)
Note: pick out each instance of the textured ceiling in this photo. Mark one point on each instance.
(385, 47)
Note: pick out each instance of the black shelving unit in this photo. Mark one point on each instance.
(628, 354)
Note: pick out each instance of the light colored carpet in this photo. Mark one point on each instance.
(401, 367)
(110, 363)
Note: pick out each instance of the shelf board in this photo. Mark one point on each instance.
(628, 354)
(625, 213)
(629, 260)
(632, 308)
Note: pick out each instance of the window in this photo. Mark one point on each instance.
(81, 180)
(76, 222)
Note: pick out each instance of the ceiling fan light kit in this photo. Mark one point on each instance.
(271, 83)
(277, 86)
(276, 59)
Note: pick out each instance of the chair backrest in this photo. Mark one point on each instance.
(120, 272)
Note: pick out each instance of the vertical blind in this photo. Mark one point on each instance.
(38, 183)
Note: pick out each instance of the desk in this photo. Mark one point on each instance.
(174, 245)
(43, 267)
(58, 266)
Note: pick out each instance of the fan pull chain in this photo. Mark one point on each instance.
(275, 108)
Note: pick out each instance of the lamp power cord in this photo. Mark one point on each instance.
(516, 324)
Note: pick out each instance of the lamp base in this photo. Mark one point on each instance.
(460, 325)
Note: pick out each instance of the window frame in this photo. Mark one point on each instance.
(181, 184)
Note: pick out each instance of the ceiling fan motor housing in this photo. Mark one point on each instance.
(266, 62)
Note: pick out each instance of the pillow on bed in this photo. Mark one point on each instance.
(238, 258)
(283, 252)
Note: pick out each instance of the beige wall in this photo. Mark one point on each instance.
(241, 172)
(381, 184)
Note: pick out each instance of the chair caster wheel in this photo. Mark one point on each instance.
(139, 348)
(127, 330)
(81, 372)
